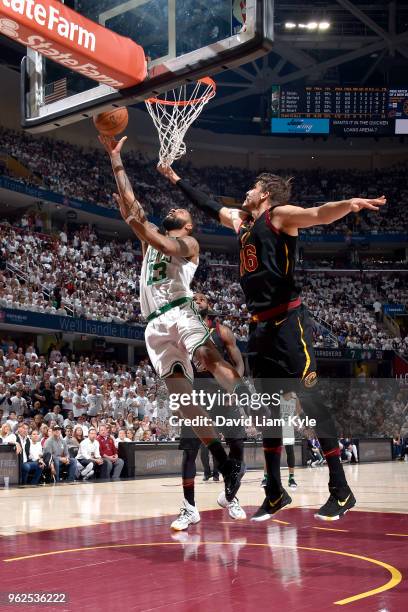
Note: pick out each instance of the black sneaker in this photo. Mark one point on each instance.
(339, 502)
(206, 478)
(232, 471)
(292, 484)
(264, 481)
(269, 507)
(216, 478)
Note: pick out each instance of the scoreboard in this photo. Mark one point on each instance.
(370, 111)
(335, 103)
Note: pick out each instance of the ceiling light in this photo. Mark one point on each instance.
(302, 25)
(289, 25)
(312, 25)
(324, 25)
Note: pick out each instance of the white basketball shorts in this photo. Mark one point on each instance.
(172, 338)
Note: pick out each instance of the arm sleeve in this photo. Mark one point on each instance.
(200, 200)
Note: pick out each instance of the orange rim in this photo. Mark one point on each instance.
(205, 80)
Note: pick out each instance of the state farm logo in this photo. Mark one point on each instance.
(9, 28)
(49, 17)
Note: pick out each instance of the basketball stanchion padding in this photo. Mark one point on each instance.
(173, 114)
(75, 41)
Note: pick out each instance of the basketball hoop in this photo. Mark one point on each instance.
(175, 112)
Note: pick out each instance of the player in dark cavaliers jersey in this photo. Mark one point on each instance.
(190, 444)
(280, 343)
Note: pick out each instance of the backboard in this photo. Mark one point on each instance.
(182, 40)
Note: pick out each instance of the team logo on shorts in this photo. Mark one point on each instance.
(310, 380)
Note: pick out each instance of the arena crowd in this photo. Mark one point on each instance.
(59, 405)
(85, 174)
(79, 274)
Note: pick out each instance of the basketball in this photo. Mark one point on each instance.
(112, 122)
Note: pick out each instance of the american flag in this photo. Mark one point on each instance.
(55, 91)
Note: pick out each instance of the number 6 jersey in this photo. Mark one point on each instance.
(163, 280)
(267, 262)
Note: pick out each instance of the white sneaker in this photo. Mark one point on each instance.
(89, 475)
(189, 515)
(234, 509)
(86, 471)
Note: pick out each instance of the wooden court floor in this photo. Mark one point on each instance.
(106, 545)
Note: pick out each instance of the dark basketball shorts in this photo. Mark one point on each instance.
(281, 349)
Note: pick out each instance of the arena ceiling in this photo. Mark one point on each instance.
(366, 44)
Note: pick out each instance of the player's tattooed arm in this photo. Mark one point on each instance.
(130, 215)
(129, 205)
(130, 210)
(148, 233)
(181, 247)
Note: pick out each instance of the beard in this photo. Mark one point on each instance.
(203, 312)
(172, 223)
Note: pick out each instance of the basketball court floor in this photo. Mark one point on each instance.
(108, 545)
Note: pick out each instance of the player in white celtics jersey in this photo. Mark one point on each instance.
(175, 332)
(289, 407)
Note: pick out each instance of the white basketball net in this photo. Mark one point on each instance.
(175, 112)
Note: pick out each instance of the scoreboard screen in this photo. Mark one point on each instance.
(334, 103)
(370, 111)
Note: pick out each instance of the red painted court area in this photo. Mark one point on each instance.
(294, 563)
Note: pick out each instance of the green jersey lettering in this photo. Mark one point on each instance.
(156, 267)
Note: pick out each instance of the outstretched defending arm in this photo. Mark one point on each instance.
(291, 218)
(229, 217)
